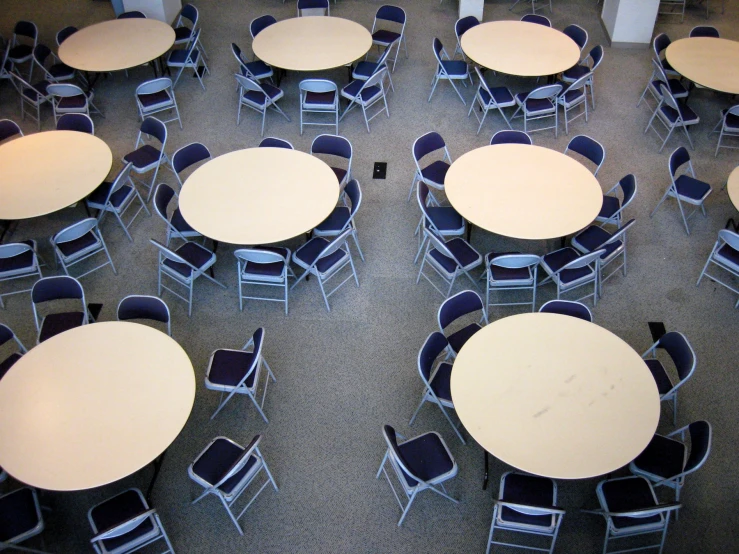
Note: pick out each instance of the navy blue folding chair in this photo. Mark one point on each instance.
(449, 70)
(725, 255)
(611, 211)
(48, 290)
(511, 137)
(567, 307)
(388, 30)
(588, 148)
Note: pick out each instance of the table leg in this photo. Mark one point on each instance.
(469, 232)
(91, 79)
(731, 223)
(485, 477)
(157, 467)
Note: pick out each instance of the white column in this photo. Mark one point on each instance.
(629, 23)
(163, 10)
(471, 7)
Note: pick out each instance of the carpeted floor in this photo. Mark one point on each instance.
(342, 375)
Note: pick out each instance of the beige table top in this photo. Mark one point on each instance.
(732, 187)
(520, 48)
(117, 44)
(259, 195)
(93, 405)
(554, 395)
(522, 191)
(45, 172)
(312, 43)
(710, 62)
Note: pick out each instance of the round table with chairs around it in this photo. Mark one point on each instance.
(706, 61)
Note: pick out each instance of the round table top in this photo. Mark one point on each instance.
(116, 44)
(259, 195)
(93, 405)
(45, 172)
(520, 48)
(732, 187)
(710, 62)
(555, 396)
(522, 191)
(312, 43)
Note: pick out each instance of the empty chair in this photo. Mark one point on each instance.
(274, 142)
(335, 148)
(189, 57)
(177, 227)
(139, 306)
(133, 14)
(704, 31)
(463, 25)
(487, 99)
(258, 24)
(256, 70)
(363, 70)
(511, 137)
(125, 523)
(578, 35)
(18, 260)
(588, 148)
(611, 211)
(537, 19)
(187, 22)
(20, 513)
(325, 259)
(267, 266)
(187, 156)
(443, 220)
(319, 96)
(342, 217)
(421, 463)
(526, 504)
(388, 30)
(448, 70)
(77, 243)
(225, 469)
(50, 289)
(436, 377)
(671, 115)
(677, 348)
(313, 7)
(116, 197)
(16, 351)
(448, 259)
(21, 45)
(258, 97)
(725, 255)
(729, 124)
(573, 96)
(463, 308)
(673, 7)
(367, 93)
(51, 67)
(9, 129)
(148, 153)
(183, 266)
(31, 95)
(659, 45)
(69, 98)
(685, 187)
(540, 103)
(667, 460)
(157, 96)
(507, 271)
(433, 173)
(630, 508)
(64, 34)
(653, 85)
(568, 270)
(79, 122)
(595, 237)
(240, 372)
(567, 307)
(587, 66)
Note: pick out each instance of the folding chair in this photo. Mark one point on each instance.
(448, 259)
(263, 267)
(9, 129)
(18, 260)
(540, 103)
(187, 22)
(17, 351)
(319, 96)
(256, 70)
(69, 98)
(21, 515)
(385, 38)
(537, 19)
(364, 70)
(259, 97)
(342, 217)
(448, 70)
(588, 148)
(660, 76)
(463, 25)
(568, 270)
(78, 242)
(458, 319)
(57, 71)
(611, 211)
(725, 254)
(672, 116)
(594, 237)
(578, 35)
(511, 137)
(157, 96)
(187, 156)
(147, 155)
(50, 289)
(572, 97)
(567, 307)
(487, 99)
(334, 148)
(32, 95)
(367, 93)
(21, 51)
(314, 8)
(587, 66)
(177, 227)
(443, 220)
(729, 124)
(259, 24)
(140, 306)
(506, 271)
(434, 173)
(188, 58)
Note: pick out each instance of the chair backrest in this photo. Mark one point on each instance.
(507, 136)
(438, 52)
(425, 144)
(120, 180)
(155, 85)
(516, 261)
(391, 13)
(333, 246)
(313, 5)
(677, 159)
(578, 35)
(461, 304)
(333, 145)
(596, 55)
(36, 94)
(464, 24)
(238, 464)
(354, 192)
(317, 85)
(659, 72)
(62, 287)
(433, 346)
(584, 260)
(681, 353)
(376, 79)
(137, 306)
(628, 189)
(26, 29)
(670, 101)
(64, 34)
(190, 13)
(170, 255)
(259, 24)
(258, 256)
(11, 250)
(274, 142)
(9, 128)
(589, 148)
(76, 122)
(729, 237)
(538, 19)
(65, 90)
(248, 83)
(485, 87)
(578, 84)
(704, 31)
(154, 128)
(236, 50)
(547, 91)
(619, 234)
(75, 231)
(700, 445)
(6, 334)
(133, 14)
(162, 197)
(188, 155)
(661, 41)
(567, 307)
(391, 439)
(40, 53)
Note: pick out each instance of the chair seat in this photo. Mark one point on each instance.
(732, 121)
(215, 462)
(76, 102)
(458, 339)
(664, 384)
(53, 324)
(195, 254)
(728, 256)
(446, 219)
(501, 95)
(155, 100)
(592, 238)
(663, 457)
(259, 69)
(508, 276)
(441, 384)
(455, 68)
(610, 206)
(118, 509)
(98, 197)
(364, 70)
(144, 157)
(270, 272)
(626, 495)
(529, 490)
(24, 518)
(182, 34)
(574, 73)
(692, 189)
(79, 246)
(688, 115)
(571, 98)
(179, 57)
(228, 367)
(309, 252)
(535, 105)
(554, 261)
(260, 99)
(435, 172)
(466, 255)
(20, 53)
(384, 37)
(61, 71)
(5, 365)
(426, 457)
(318, 100)
(336, 220)
(352, 92)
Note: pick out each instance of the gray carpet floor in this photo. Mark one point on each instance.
(342, 375)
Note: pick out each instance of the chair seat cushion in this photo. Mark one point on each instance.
(458, 339)
(259, 69)
(20, 52)
(441, 384)
(663, 457)
(364, 70)
(17, 264)
(554, 261)
(193, 253)
(426, 457)
(611, 204)
(534, 105)
(465, 256)
(79, 246)
(228, 368)
(629, 494)
(319, 99)
(527, 489)
(271, 272)
(501, 95)
(53, 324)
(384, 37)
(664, 384)
(117, 510)
(352, 92)
(445, 218)
(435, 172)
(76, 102)
(155, 99)
(593, 237)
(571, 97)
(689, 117)
(508, 276)
(5, 365)
(307, 254)
(732, 121)
(691, 188)
(260, 99)
(728, 256)
(182, 34)
(19, 514)
(144, 156)
(60, 71)
(455, 68)
(575, 73)
(336, 220)
(98, 197)
(179, 57)
(215, 462)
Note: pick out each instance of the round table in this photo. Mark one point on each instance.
(522, 191)
(92, 405)
(117, 44)
(45, 172)
(312, 43)
(555, 396)
(709, 62)
(259, 195)
(520, 48)
(732, 187)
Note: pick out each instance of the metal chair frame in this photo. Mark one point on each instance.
(376, 81)
(726, 239)
(492, 103)
(248, 84)
(12, 250)
(319, 87)
(246, 256)
(438, 244)
(512, 260)
(75, 232)
(154, 86)
(547, 92)
(441, 73)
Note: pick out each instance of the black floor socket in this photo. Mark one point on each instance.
(380, 170)
(657, 328)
